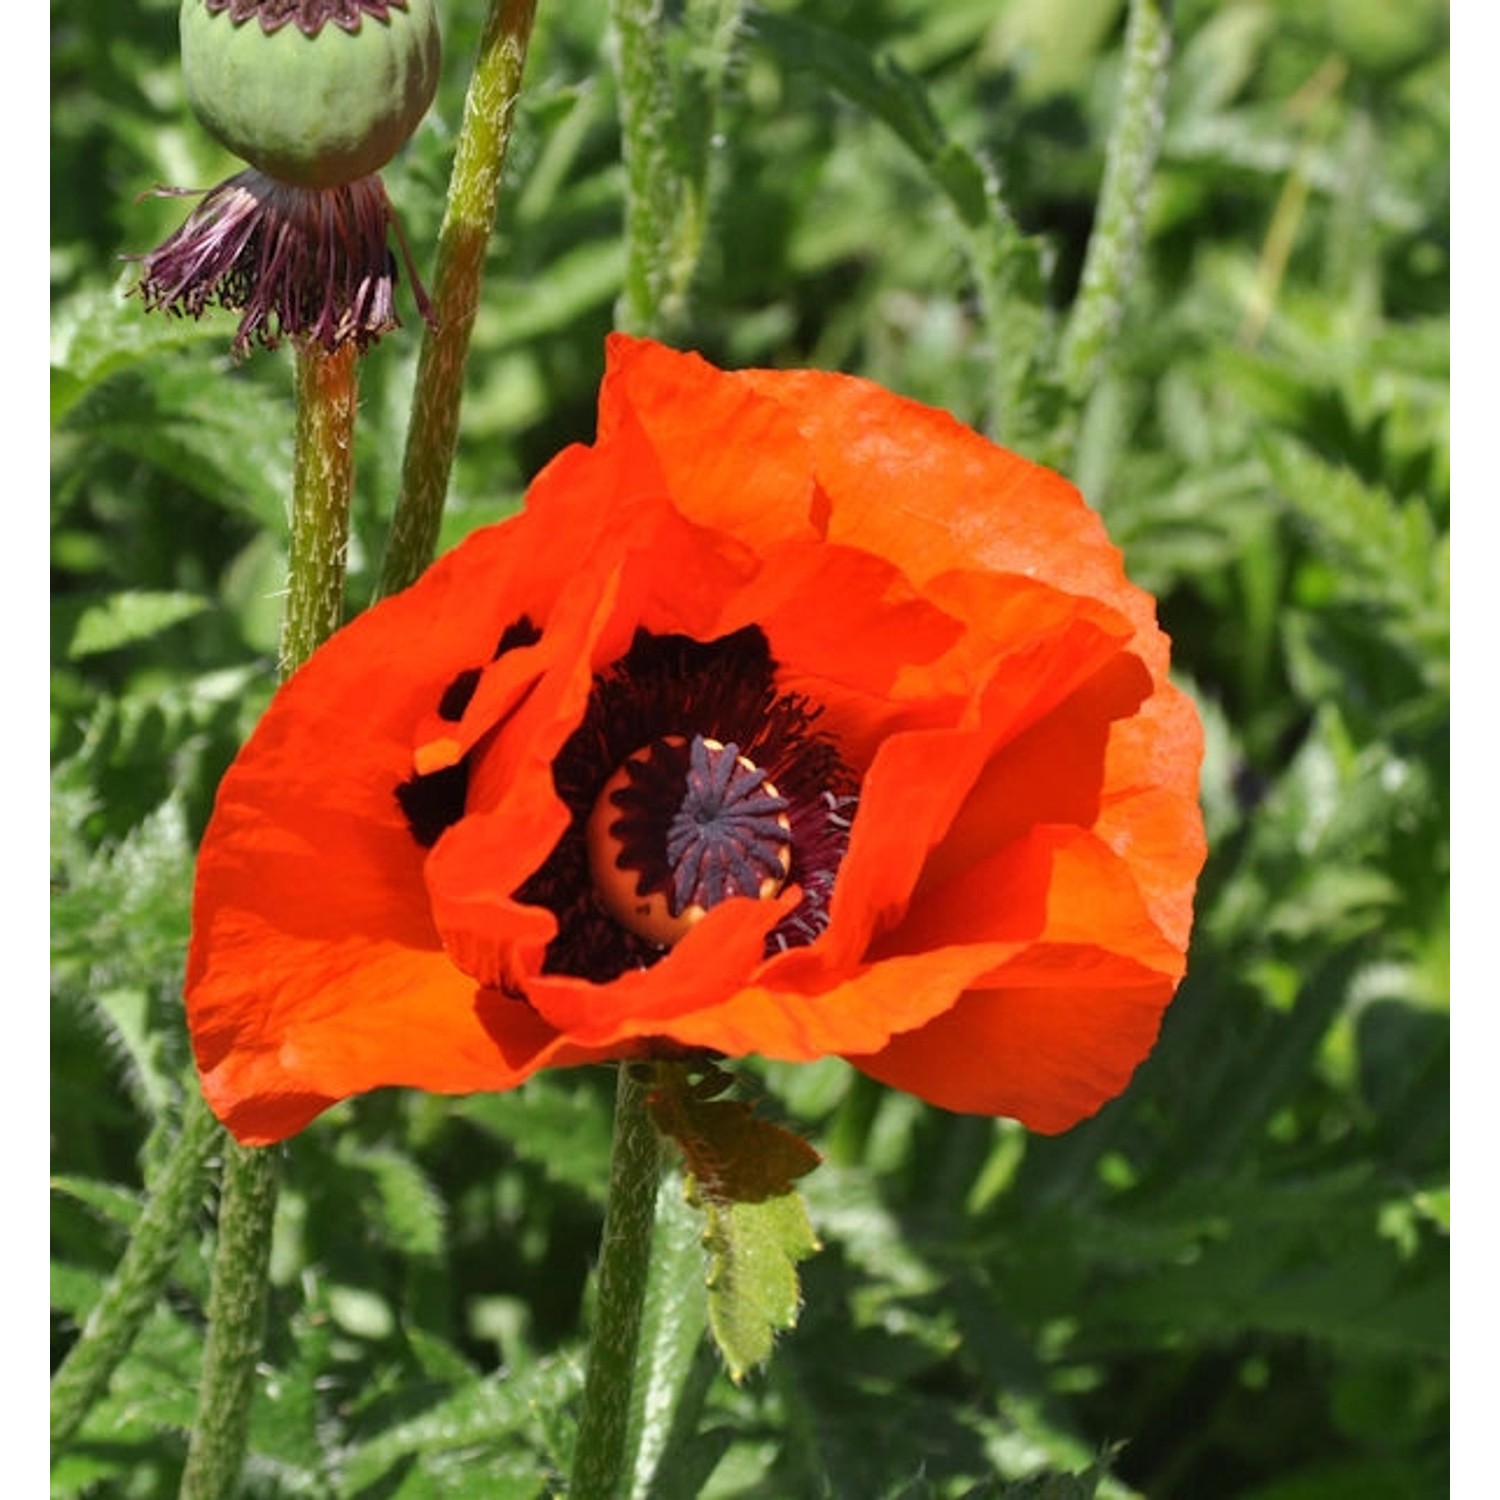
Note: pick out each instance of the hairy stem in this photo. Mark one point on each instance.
(670, 100)
(468, 221)
(322, 488)
(174, 1196)
(646, 127)
(599, 1457)
(236, 1325)
(1114, 246)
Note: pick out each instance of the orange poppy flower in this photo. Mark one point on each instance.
(791, 718)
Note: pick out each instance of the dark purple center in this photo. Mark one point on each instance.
(724, 829)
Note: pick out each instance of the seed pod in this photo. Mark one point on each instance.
(314, 93)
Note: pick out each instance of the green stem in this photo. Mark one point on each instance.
(236, 1325)
(676, 1365)
(322, 488)
(175, 1193)
(646, 126)
(1114, 246)
(468, 221)
(599, 1457)
(670, 96)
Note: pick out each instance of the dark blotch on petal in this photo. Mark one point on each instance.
(435, 801)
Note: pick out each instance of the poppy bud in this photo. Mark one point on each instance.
(317, 93)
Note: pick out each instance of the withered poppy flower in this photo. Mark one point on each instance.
(317, 96)
(790, 718)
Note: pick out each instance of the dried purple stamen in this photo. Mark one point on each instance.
(309, 263)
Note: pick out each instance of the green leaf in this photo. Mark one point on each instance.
(216, 431)
(114, 1205)
(560, 1128)
(740, 1172)
(91, 627)
(99, 332)
(732, 1155)
(1006, 265)
(1055, 1486)
(401, 1203)
(753, 1292)
(501, 1420)
(1370, 537)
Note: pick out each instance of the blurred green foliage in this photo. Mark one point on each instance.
(1233, 1281)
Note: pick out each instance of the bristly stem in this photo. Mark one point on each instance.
(175, 1194)
(322, 489)
(599, 1455)
(236, 1324)
(468, 221)
(1114, 246)
(669, 105)
(646, 131)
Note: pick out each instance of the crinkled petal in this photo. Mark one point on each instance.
(1055, 1031)
(1012, 912)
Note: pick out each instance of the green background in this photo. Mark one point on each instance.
(1238, 1273)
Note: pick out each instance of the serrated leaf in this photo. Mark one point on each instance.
(732, 1155)
(1369, 533)
(92, 626)
(498, 1415)
(895, 97)
(1053, 1486)
(154, 1390)
(119, 928)
(99, 332)
(753, 1290)
(554, 1124)
(438, 1358)
(1006, 265)
(217, 432)
(73, 1292)
(401, 1201)
(571, 285)
(115, 1205)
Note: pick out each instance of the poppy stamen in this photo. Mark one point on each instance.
(681, 827)
(643, 713)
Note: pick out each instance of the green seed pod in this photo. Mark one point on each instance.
(318, 110)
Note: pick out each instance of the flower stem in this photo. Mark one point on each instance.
(646, 124)
(236, 1324)
(1114, 245)
(599, 1456)
(468, 220)
(155, 1243)
(668, 119)
(322, 488)
(322, 485)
